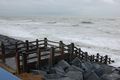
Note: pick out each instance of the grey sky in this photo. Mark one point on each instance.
(60, 7)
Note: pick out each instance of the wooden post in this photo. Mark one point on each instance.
(45, 43)
(51, 59)
(17, 57)
(79, 52)
(27, 46)
(109, 60)
(37, 46)
(25, 55)
(71, 51)
(93, 56)
(69, 56)
(101, 59)
(61, 49)
(39, 58)
(38, 54)
(3, 52)
(24, 62)
(82, 55)
(86, 56)
(106, 59)
(97, 57)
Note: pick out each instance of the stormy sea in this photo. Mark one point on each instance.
(94, 35)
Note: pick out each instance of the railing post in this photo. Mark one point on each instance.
(24, 57)
(109, 61)
(45, 43)
(37, 46)
(101, 59)
(27, 46)
(38, 54)
(24, 62)
(3, 52)
(51, 59)
(86, 56)
(39, 58)
(17, 57)
(93, 56)
(82, 55)
(106, 59)
(79, 51)
(97, 57)
(61, 49)
(71, 51)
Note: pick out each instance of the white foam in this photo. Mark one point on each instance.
(102, 36)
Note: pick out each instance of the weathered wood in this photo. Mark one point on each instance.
(86, 56)
(72, 48)
(53, 41)
(11, 55)
(45, 60)
(3, 52)
(79, 52)
(51, 58)
(106, 59)
(39, 58)
(67, 52)
(37, 43)
(61, 45)
(24, 62)
(71, 51)
(109, 60)
(27, 46)
(17, 57)
(93, 58)
(82, 55)
(101, 59)
(45, 43)
(24, 57)
(97, 57)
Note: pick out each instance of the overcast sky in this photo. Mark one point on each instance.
(60, 7)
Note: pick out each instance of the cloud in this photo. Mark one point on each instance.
(109, 1)
(60, 7)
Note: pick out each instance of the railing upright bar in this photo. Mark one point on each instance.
(45, 43)
(61, 49)
(24, 62)
(106, 59)
(39, 58)
(17, 57)
(51, 58)
(97, 57)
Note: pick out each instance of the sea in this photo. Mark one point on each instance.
(91, 34)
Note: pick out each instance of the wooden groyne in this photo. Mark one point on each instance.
(35, 54)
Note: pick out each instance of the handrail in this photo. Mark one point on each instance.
(65, 45)
(40, 40)
(53, 41)
(51, 48)
(76, 48)
(52, 45)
